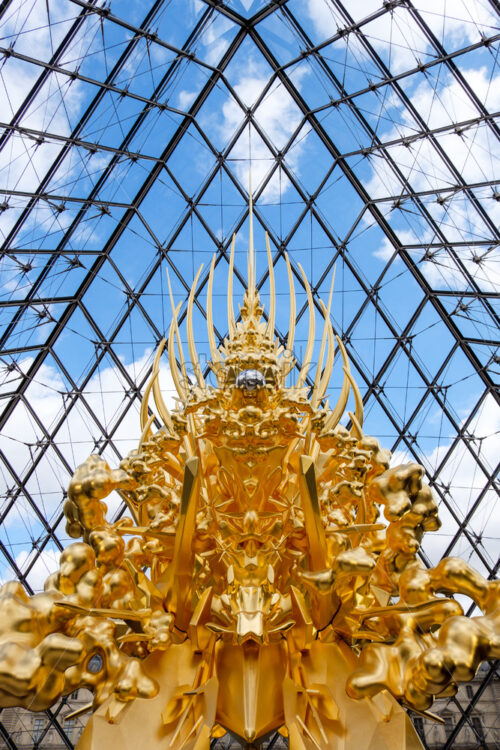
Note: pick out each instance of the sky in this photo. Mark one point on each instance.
(127, 301)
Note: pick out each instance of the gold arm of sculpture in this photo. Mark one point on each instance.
(92, 481)
(47, 641)
(414, 673)
(46, 647)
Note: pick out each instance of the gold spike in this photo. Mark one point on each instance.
(306, 732)
(251, 252)
(310, 340)
(326, 315)
(336, 414)
(190, 335)
(359, 410)
(193, 731)
(323, 385)
(272, 293)
(147, 430)
(214, 353)
(291, 323)
(78, 712)
(182, 390)
(230, 308)
(177, 334)
(138, 615)
(157, 394)
(356, 429)
(145, 399)
(176, 376)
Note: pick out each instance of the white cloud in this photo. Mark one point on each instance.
(422, 167)
(439, 102)
(387, 249)
(46, 563)
(396, 36)
(443, 271)
(437, 106)
(195, 7)
(214, 39)
(27, 24)
(185, 99)
(278, 117)
(25, 160)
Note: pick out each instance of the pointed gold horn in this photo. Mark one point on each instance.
(359, 408)
(176, 375)
(175, 321)
(145, 399)
(326, 315)
(327, 374)
(356, 429)
(291, 322)
(272, 293)
(146, 430)
(193, 354)
(251, 251)
(336, 414)
(310, 340)
(214, 353)
(157, 394)
(230, 307)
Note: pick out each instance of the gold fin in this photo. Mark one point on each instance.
(326, 315)
(193, 354)
(176, 376)
(336, 414)
(214, 352)
(272, 293)
(230, 306)
(310, 341)
(157, 394)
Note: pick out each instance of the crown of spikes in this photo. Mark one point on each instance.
(251, 344)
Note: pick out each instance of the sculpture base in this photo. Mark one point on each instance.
(173, 721)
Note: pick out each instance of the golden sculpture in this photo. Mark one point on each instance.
(267, 576)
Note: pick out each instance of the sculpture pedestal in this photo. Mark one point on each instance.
(370, 724)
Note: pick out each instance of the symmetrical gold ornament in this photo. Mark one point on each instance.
(267, 576)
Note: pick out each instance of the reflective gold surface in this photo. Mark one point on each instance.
(266, 576)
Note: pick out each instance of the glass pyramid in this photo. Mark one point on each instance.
(127, 133)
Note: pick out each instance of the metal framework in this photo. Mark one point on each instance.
(125, 136)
